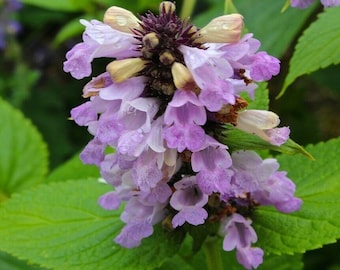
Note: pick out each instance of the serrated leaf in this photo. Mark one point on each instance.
(283, 262)
(317, 48)
(8, 262)
(23, 155)
(318, 221)
(73, 169)
(60, 5)
(61, 226)
(261, 98)
(239, 140)
(270, 24)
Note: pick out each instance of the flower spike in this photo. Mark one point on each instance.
(161, 104)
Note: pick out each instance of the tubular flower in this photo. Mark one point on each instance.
(160, 104)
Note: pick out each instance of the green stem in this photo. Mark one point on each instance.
(212, 254)
(229, 7)
(187, 8)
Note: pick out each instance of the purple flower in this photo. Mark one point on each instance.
(212, 164)
(93, 153)
(161, 105)
(183, 116)
(132, 234)
(112, 169)
(261, 178)
(238, 234)
(84, 114)
(210, 72)
(99, 40)
(264, 66)
(330, 3)
(146, 172)
(139, 219)
(250, 257)
(263, 124)
(184, 137)
(278, 190)
(189, 200)
(185, 108)
(301, 3)
(307, 3)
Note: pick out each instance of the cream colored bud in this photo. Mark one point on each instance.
(150, 41)
(257, 122)
(260, 119)
(166, 7)
(120, 70)
(193, 29)
(121, 19)
(182, 77)
(223, 29)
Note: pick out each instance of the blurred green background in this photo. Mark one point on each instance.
(32, 77)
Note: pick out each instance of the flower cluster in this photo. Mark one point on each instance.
(159, 105)
(307, 3)
(7, 25)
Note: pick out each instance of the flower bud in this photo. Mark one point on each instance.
(260, 119)
(223, 29)
(182, 77)
(167, 7)
(263, 124)
(121, 19)
(150, 40)
(120, 70)
(167, 58)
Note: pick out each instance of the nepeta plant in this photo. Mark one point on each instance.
(161, 105)
(185, 155)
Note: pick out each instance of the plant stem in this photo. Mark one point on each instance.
(187, 8)
(212, 254)
(229, 7)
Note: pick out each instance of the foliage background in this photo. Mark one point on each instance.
(32, 79)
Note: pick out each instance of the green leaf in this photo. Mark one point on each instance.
(71, 29)
(240, 140)
(8, 262)
(283, 262)
(73, 169)
(270, 24)
(317, 48)
(22, 81)
(187, 260)
(205, 17)
(60, 5)
(137, 6)
(260, 100)
(270, 261)
(318, 221)
(61, 226)
(23, 155)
